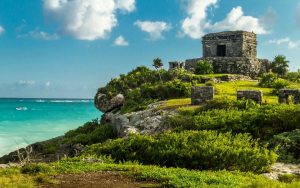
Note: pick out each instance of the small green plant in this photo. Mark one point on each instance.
(210, 83)
(288, 178)
(34, 169)
(268, 80)
(90, 133)
(204, 67)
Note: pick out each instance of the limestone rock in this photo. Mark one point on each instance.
(150, 121)
(104, 104)
(279, 169)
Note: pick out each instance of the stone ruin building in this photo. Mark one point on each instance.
(232, 52)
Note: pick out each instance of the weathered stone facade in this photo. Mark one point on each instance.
(256, 96)
(176, 64)
(202, 94)
(284, 94)
(232, 52)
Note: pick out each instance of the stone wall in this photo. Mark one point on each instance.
(229, 65)
(236, 43)
(202, 94)
(176, 64)
(256, 96)
(284, 94)
(238, 54)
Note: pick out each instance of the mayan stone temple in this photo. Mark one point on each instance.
(232, 52)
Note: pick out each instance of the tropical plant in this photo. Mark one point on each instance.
(280, 65)
(204, 67)
(268, 80)
(157, 64)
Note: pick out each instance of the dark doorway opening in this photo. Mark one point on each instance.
(221, 51)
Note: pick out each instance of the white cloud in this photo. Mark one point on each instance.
(40, 35)
(87, 19)
(2, 30)
(298, 15)
(120, 41)
(286, 41)
(154, 29)
(26, 83)
(196, 24)
(236, 20)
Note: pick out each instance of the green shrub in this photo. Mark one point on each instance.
(204, 67)
(191, 149)
(268, 80)
(288, 178)
(289, 146)
(280, 84)
(260, 121)
(90, 133)
(33, 169)
(293, 76)
(140, 98)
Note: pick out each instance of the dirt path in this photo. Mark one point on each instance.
(99, 180)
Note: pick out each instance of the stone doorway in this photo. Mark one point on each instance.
(221, 50)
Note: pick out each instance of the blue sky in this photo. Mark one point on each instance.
(69, 48)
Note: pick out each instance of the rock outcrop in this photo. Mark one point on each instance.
(39, 152)
(150, 121)
(104, 104)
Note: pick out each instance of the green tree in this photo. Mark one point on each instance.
(157, 64)
(280, 65)
(204, 67)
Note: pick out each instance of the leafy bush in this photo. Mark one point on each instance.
(260, 121)
(289, 146)
(90, 133)
(268, 80)
(288, 178)
(204, 67)
(140, 98)
(191, 149)
(280, 84)
(293, 76)
(36, 168)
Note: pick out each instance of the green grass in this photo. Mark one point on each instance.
(12, 178)
(229, 89)
(169, 177)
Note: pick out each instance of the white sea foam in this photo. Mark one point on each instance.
(40, 100)
(70, 101)
(21, 108)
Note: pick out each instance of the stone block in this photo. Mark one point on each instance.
(256, 96)
(284, 94)
(202, 94)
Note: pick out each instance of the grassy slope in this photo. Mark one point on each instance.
(228, 90)
(171, 177)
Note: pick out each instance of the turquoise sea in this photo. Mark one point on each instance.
(25, 121)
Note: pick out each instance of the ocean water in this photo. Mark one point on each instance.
(25, 121)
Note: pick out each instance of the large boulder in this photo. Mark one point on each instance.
(104, 104)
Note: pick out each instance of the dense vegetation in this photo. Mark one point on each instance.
(193, 149)
(240, 117)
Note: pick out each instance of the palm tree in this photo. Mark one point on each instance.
(280, 65)
(157, 64)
